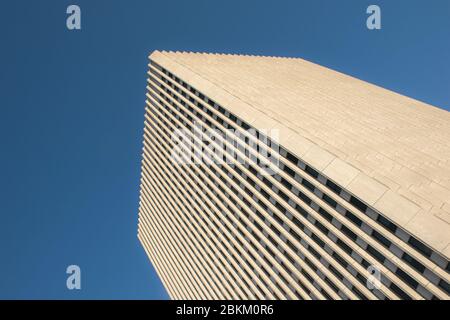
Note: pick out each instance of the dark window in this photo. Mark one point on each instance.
(340, 260)
(304, 198)
(333, 186)
(314, 252)
(297, 222)
(262, 205)
(326, 295)
(308, 185)
(413, 262)
(286, 184)
(325, 214)
(318, 240)
(402, 274)
(358, 204)
(311, 172)
(280, 207)
(349, 232)
(388, 224)
(274, 229)
(381, 238)
(291, 245)
(307, 276)
(329, 200)
(376, 254)
(289, 171)
(420, 246)
(353, 218)
(265, 194)
(284, 196)
(297, 237)
(332, 285)
(444, 285)
(291, 158)
(361, 278)
(321, 227)
(399, 292)
(334, 270)
(344, 246)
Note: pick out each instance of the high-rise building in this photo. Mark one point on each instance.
(276, 178)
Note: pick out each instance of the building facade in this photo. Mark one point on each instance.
(276, 178)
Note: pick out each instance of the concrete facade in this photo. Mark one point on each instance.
(363, 184)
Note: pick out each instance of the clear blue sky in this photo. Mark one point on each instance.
(72, 112)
